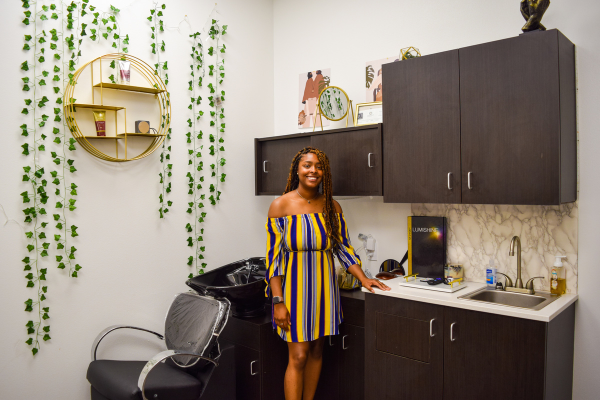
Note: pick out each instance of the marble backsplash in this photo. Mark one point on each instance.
(478, 233)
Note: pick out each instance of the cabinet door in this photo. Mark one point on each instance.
(327, 389)
(273, 159)
(404, 349)
(492, 357)
(510, 121)
(356, 160)
(247, 370)
(421, 135)
(352, 362)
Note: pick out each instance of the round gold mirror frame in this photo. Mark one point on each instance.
(321, 113)
(157, 87)
(347, 103)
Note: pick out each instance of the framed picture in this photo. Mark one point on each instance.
(368, 113)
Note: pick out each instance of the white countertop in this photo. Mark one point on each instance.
(546, 314)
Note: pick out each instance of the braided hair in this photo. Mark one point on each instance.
(329, 214)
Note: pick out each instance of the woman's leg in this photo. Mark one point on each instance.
(294, 375)
(313, 368)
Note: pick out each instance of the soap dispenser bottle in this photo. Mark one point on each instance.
(558, 281)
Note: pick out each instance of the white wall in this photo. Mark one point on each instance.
(344, 34)
(133, 262)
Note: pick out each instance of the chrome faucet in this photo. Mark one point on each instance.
(511, 252)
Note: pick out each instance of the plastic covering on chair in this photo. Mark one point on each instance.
(192, 327)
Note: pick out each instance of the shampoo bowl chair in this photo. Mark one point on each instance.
(182, 372)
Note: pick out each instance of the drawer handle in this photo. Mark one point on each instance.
(265, 167)
(252, 368)
(431, 334)
(449, 175)
(369, 160)
(469, 180)
(331, 344)
(344, 347)
(452, 338)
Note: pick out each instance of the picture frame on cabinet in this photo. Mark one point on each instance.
(368, 113)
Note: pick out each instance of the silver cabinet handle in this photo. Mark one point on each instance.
(431, 334)
(265, 167)
(449, 185)
(369, 160)
(452, 338)
(469, 180)
(252, 368)
(344, 342)
(331, 344)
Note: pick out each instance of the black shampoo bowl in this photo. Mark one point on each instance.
(242, 282)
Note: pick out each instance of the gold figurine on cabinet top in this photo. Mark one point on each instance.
(409, 52)
(533, 11)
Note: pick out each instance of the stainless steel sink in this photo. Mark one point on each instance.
(530, 301)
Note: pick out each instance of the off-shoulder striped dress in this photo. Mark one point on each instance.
(299, 250)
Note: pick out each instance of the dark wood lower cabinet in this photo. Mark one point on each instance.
(422, 351)
(404, 349)
(261, 357)
(343, 370)
(492, 357)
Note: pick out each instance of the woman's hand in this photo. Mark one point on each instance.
(281, 315)
(368, 283)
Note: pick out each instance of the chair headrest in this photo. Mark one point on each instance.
(194, 323)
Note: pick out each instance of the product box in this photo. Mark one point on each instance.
(427, 246)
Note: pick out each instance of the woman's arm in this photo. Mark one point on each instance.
(355, 269)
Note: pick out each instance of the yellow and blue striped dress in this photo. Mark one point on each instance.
(299, 250)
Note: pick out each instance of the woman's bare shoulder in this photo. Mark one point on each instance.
(279, 206)
(338, 208)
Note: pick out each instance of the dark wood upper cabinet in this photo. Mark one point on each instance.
(355, 158)
(421, 138)
(518, 133)
(273, 159)
(499, 116)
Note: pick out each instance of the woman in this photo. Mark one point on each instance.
(305, 228)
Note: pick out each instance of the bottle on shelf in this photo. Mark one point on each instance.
(558, 278)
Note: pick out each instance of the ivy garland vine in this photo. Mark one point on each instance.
(195, 135)
(66, 17)
(217, 113)
(160, 69)
(196, 176)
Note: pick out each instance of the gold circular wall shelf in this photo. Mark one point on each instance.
(156, 87)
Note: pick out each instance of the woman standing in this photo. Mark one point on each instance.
(305, 229)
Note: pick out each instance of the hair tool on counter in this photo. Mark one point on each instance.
(390, 268)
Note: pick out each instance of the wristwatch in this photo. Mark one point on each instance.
(277, 300)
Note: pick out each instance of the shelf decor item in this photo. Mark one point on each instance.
(156, 86)
(368, 113)
(409, 52)
(142, 126)
(533, 11)
(334, 105)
